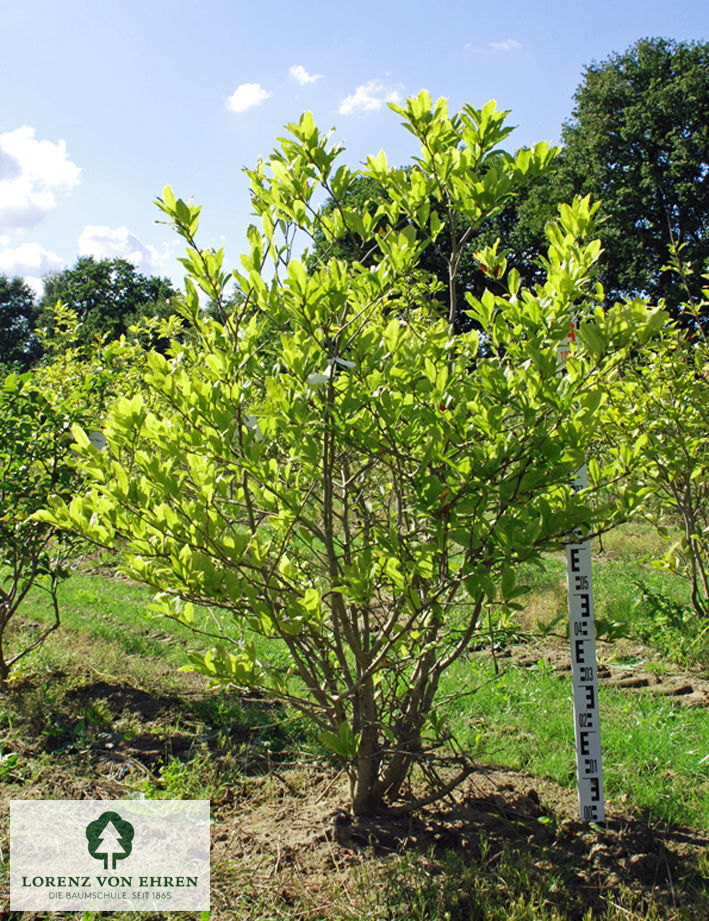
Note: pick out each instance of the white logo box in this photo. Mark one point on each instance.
(109, 855)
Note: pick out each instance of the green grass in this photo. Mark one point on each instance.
(115, 611)
(107, 634)
(654, 754)
(654, 751)
(632, 600)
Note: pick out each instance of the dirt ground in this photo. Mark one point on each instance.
(296, 836)
(286, 838)
(685, 687)
(290, 839)
(291, 842)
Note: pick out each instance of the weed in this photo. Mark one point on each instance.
(8, 763)
(609, 629)
(202, 777)
(547, 628)
(670, 625)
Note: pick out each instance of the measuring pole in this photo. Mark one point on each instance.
(582, 634)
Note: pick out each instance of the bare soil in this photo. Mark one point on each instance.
(284, 836)
(303, 844)
(621, 665)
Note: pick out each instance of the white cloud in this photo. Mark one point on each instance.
(299, 73)
(367, 98)
(118, 243)
(510, 44)
(246, 97)
(9, 167)
(31, 171)
(31, 261)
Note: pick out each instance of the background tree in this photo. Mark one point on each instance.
(663, 405)
(19, 345)
(37, 410)
(108, 296)
(36, 463)
(74, 382)
(637, 142)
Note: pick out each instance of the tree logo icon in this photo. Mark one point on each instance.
(110, 839)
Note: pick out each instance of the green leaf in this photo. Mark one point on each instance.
(508, 581)
(344, 744)
(592, 338)
(168, 197)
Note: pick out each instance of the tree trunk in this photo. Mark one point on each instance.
(364, 781)
(365, 786)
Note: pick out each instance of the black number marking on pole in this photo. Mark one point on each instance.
(582, 636)
(589, 770)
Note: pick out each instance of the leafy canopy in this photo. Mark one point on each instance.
(73, 383)
(663, 405)
(19, 345)
(347, 481)
(108, 296)
(637, 141)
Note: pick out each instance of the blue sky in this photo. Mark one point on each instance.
(103, 103)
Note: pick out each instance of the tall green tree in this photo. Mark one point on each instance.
(638, 142)
(108, 296)
(19, 345)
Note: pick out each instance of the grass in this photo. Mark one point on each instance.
(654, 750)
(509, 885)
(53, 726)
(115, 612)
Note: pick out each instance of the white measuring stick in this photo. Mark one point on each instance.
(584, 677)
(587, 728)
